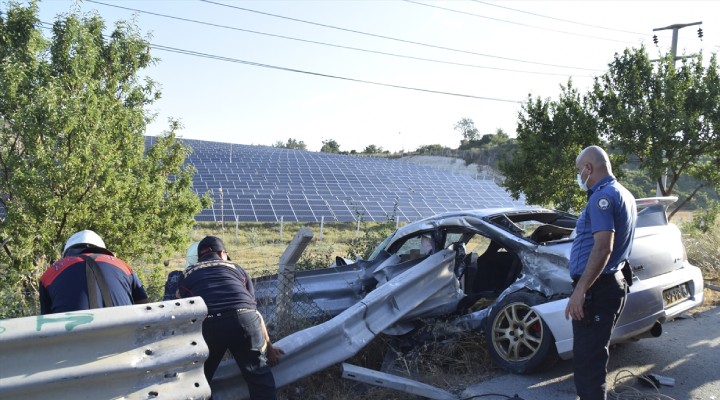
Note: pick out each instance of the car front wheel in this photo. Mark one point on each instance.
(517, 337)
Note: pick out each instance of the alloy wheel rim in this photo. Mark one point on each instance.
(517, 332)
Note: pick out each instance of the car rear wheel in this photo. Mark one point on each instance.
(517, 337)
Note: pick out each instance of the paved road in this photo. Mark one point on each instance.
(688, 351)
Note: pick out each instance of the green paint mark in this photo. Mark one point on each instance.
(2, 329)
(73, 320)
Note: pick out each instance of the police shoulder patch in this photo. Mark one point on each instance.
(603, 203)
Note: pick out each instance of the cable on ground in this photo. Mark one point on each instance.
(622, 390)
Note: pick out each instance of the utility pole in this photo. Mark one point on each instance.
(675, 28)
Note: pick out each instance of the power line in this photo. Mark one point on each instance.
(558, 19)
(515, 23)
(48, 26)
(256, 64)
(395, 39)
(327, 44)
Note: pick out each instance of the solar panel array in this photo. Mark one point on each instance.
(267, 184)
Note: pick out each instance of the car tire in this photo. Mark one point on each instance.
(518, 339)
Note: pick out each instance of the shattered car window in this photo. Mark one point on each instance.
(380, 247)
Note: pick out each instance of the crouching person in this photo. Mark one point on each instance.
(233, 322)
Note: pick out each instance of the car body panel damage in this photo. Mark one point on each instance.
(480, 270)
(318, 347)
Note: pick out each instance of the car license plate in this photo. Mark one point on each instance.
(676, 294)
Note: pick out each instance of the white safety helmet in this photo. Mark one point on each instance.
(86, 237)
(191, 257)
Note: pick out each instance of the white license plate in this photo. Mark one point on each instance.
(676, 294)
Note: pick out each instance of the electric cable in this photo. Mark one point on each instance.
(256, 64)
(515, 23)
(327, 44)
(393, 38)
(558, 19)
(623, 391)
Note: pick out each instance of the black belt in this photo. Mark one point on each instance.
(603, 279)
(230, 313)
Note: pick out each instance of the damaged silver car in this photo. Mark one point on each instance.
(502, 271)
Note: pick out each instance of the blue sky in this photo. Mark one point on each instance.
(233, 102)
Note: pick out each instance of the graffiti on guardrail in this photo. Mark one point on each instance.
(72, 320)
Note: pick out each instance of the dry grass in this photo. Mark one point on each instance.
(258, 246)
(449, 364)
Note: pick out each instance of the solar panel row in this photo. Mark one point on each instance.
(258, 183)
(265, 184)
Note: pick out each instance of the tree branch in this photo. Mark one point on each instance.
(687, 199)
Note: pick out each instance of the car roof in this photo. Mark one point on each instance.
(462, 217)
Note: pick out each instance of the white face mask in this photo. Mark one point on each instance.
(583, 185)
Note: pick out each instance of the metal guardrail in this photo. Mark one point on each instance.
(334, 341)
(143, 351)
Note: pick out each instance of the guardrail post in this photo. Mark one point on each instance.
(322, 224)
(286, 274)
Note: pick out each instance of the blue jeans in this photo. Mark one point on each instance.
(591, 336)
(241, 333)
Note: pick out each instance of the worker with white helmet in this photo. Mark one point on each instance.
(88, 276)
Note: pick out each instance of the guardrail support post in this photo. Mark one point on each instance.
(286, 274)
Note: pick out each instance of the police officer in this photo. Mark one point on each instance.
(605, 231)
(233, 321)
(88, 276)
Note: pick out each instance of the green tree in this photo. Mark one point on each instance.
(657, 117)
(330, 146)
(373, 149)
(433, 149)
(666, 117)
(73, 113)
(550, 134)
(466, 127)
(292, 144)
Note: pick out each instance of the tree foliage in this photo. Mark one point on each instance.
(373, 149)
(666, 117)
(292, 144)
(654, 116)
(72, 151)
(433, 148)
(467, 129)
(550, 134)
(330, 146)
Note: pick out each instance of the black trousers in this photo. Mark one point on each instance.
(591, 336)
(242, 335)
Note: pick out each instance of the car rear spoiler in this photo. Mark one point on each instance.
(665, 201)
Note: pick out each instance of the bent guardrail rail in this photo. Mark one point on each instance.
(338, 339)
(143, 351)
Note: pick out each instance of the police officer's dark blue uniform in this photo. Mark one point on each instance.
(605, 231)
(233, 322)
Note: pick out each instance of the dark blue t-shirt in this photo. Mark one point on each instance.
(63, 287)
(610, 207)
(223, 285)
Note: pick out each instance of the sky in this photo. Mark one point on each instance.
(269, 78)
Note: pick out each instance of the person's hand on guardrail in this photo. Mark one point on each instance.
(273, 355)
